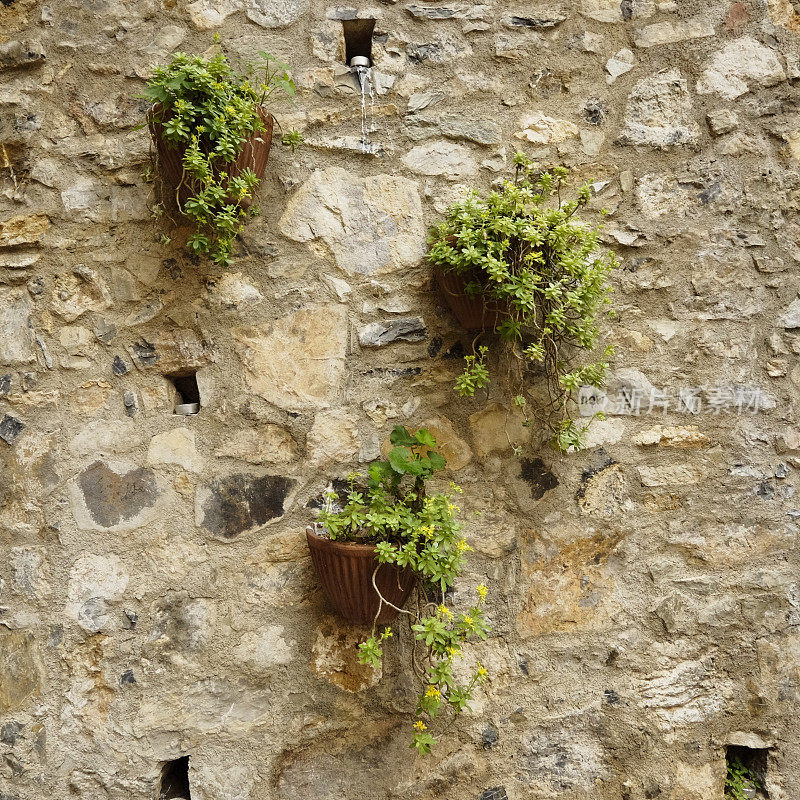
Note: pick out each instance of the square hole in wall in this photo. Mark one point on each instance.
(746, 767)
(187, 400)
(175, 780)
(358, 39)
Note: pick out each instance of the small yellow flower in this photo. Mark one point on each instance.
(420, 725)
(445, 611)
(387, 633)
(463, 546)
(482, 673)
(483, 590)
(433, 692)
(453, 651)
(468, 621)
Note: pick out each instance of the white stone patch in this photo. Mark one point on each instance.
(740, 64)
(206, 15)
(538, 128)
(16, 333)
(672, 32)
(175, 447)
(370, 225)
(452, 161)
(94, 581)
(233, 290)
(275, 13)
(621, 62)
(265, 649)
(333, 438)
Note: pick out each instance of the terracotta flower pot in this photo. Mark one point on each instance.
(254, 155)
(345, 572)
(473, 312)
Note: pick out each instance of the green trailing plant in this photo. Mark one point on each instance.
(412, 528)
(528, 252)
(740, 780)
(208, 111)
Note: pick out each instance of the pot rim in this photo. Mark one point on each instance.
(351, 548)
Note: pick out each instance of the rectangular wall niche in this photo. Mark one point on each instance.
(358, 39)
(175, 780)
(755, 759)
(187, 400)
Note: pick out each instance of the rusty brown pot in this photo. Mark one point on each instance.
(345, 572)
(254, 155)
(473, 313)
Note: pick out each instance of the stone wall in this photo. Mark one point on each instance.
(157, 596)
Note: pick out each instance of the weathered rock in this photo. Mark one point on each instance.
(95, 583)
(298, 362)
(451, 161)
(791, 319)
(740, 64)
(616, 11)
(16, 54)
(370, 225)
(405, 329)
(16, 332)
(209, 14)
(270, 444)
(333, 438)
(275, 13)
(666, 436)
(540, 129)
(240, 503)
(672, 32)
(659, 112)
(671, 475)
(722, 121)
(175, 447)
(20, 670)
(23, 230)
(620, 63)
(10, 428)
(498, 429)
(265, 650)
(335, 658)
(114, 496)
(80, 291)
(231, 290)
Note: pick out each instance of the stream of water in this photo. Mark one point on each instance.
(367, 84)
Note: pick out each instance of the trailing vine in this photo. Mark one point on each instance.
(527, 251)
(207, 111)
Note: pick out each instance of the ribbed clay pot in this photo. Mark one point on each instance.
(473, 313)
(254, 154)
(344, 570)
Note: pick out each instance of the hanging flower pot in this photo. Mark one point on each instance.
(253, 155)
(345, 571)
(473, 312)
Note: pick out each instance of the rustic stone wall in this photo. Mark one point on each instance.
(157, 599)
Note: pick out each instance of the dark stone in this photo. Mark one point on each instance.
(111, 498)
(240, 502)
(536, 473)
(9, 733)
(423, 52)
(611, 697)
(145, 353)
(456, 351)
(130, 620)
(406, 329)
(709, 193)
(27, 122)
(603, 461)
(29, 381)
(594, 111)
(435, 346)
(5, 385)
(127, 678)
(626, 7)
(131, 403)
(490, 738)
(495, 793)
(10, 429)
(547, 21)
(119, 367)
(765, 490)
(422, 12)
